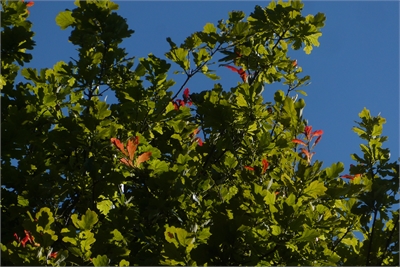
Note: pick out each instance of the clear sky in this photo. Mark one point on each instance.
(356, 65)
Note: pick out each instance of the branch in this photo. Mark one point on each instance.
(371, 237)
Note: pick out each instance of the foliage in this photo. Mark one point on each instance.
(132, 183)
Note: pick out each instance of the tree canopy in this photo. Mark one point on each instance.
(166, 176)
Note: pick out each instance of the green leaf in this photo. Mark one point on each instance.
(203, 235)
(105, 206)
(241, 101)
(124, 263)
(308, 235)
(334, 170)
(184, 238)
(315, 189)
(359, 131)
(230, 160)
(209, 28)
(23, 202)
(276, 229)
(87, 222)
(279, 96)
(240, 28)
(270, 198)
(86, 240)
(228, 193)
(64, 19)
(212, 76)
(179, 56)
(117, 236)
(158, 166)
(365, 114)
(101, 260)
(44, 219)
(49, 100)
(288, 106)
(301, 92)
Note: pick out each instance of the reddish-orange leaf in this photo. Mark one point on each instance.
(199, 141)
(240, 71)
(186, 93)
(307, 132)
(53, 255)
(232, 68)
(29, 4)
(294, 63)
(305, 152)
(249, 168)
(317, 133)
(132, 145)
(298, 141)
(318, 139)
(142, 158)
(29, 235)
(243, 75)
(119, 145)
(196, 131)
(126, 162)
(265, 165)
(351, 177)
(24, 240)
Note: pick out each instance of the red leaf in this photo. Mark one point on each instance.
(318, 139)
(16, 237)
(119, 145)
(126, 162)
(317, 133)
(199, 141)
(240, 71)
(294, 63)
(24, 240)
(29, 4)
(308, 155)
(307, 132)
(132, 145)
(249, 168)
(265, 165)
(186, 96)
(232, 68)
(142, 158)
(176, 107)
(298, 141)
(305, 152)
(53, 255)
(351, 177)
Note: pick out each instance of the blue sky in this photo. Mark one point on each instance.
(356, 65)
